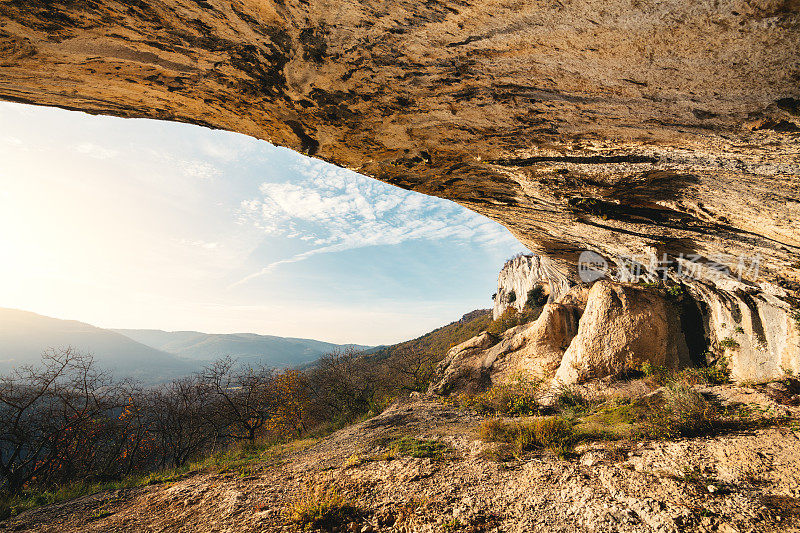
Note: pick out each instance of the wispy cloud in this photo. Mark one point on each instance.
(199, 169)
(96, 151)
(335, 210)
(200, 244)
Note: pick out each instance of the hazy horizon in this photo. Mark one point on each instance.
(142, 224)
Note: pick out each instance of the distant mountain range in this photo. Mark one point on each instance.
(24, 336)
(149, 355)
(266, 350)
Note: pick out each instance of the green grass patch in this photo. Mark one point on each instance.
(419, 448)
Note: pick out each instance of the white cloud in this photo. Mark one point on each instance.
(12, 141)
(200, 244)
(199, 169)
(336, 209)
(96, 151)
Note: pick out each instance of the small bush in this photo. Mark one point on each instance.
(571, 401)
(682, 412)
(551, 433)
(496, 430)
(675, 291)
(536, 298)
(728, 342)
(322, 506)
(718, 373)
(507, 320)
(516, 398)
(510, 318)
(512, 297)
(657, 374)
(554, 433)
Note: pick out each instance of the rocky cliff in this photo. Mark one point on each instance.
(638, 129)
(523, 274)
(614, 325)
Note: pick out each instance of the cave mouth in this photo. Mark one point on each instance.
(692, 316)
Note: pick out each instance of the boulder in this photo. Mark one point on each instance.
(462, 367)
(623, 327)
(535, 350)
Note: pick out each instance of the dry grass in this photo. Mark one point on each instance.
(551, 433)
(681, 412)
(518, 397)
(322, 506)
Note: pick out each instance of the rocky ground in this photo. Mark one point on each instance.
(740, 481)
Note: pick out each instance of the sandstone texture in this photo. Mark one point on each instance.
(622, 127)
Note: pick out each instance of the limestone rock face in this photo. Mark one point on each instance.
(536, 349)
(608, 125)
(520, 275)
(607, 328)
(533, 350)
(757, 333)
(462, 368)
(621, 328)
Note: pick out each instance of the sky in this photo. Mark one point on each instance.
(132, 223)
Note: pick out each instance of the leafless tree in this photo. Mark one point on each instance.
(344, 384)
(243, 398)
(49, 416)
(179, 419)
(410, 369)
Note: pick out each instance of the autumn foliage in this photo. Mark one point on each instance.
(66, 421)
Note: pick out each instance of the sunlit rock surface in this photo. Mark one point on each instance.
(610, 328)
(622, 328)
(524, 273)
(614, 126)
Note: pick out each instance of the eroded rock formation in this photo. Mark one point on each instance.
(523, 274)
(614, 126)
(621, 328)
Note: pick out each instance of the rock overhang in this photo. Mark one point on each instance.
(653, 128)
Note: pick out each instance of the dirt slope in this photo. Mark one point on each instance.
(744, 482)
